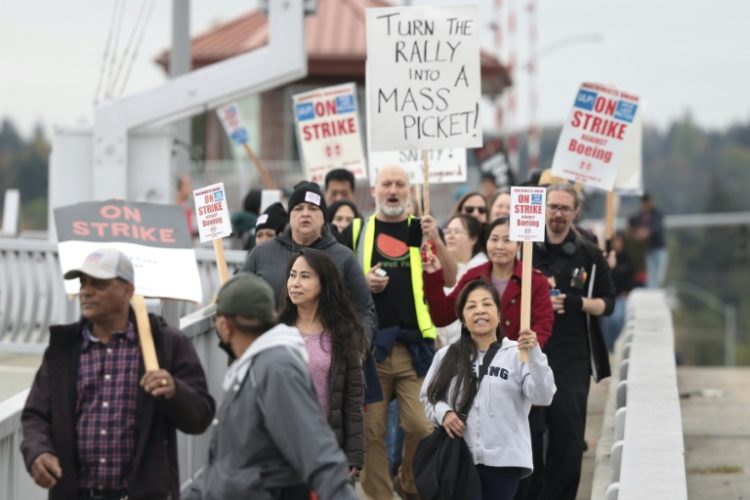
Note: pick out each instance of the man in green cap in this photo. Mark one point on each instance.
(271, 439)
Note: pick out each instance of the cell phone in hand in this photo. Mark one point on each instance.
(380, 273)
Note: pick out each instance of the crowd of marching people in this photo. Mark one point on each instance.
(354, 341)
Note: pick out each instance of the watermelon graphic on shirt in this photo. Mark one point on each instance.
(391, 248)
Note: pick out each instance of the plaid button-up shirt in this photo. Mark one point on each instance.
(106, 391)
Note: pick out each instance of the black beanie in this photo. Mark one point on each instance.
(307, 192)
(274, 217)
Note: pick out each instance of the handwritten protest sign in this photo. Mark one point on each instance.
(446, 165)
(155, 238)
(212, 211)
(596, 136)
(328, 131)
(423, 78)
(527, 208)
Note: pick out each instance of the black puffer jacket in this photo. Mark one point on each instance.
(346, 398)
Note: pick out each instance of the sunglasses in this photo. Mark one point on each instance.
(470, 210)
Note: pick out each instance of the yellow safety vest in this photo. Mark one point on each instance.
(364, 249)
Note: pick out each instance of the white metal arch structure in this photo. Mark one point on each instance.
(281, 61)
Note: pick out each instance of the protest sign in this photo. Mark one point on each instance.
(234, 125)
(527, 209)
(154, 237)
(423, 78)
(328, 131)
(596, 136)
(212, 212)
(446, 165)
(527, 224)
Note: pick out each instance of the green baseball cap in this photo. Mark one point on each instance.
(246, 295)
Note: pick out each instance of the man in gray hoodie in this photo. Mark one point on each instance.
(271, 440)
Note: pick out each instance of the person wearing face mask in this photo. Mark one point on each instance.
(270, 439)
(307, 228)
(340, 215)
(494, 425)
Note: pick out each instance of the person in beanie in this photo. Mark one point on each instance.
(307, 228)
(94, 424)
(270, 223)
(271, 439)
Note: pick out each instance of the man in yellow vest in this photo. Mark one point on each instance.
(388, 246)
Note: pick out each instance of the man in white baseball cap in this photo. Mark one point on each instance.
(95, 424)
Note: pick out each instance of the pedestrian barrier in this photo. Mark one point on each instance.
(647, 455)
(32, 295)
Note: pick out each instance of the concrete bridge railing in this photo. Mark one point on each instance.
(641, 451)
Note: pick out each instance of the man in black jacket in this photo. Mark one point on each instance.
(95, 425)
(576, 268)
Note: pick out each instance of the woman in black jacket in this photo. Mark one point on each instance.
(314, 301)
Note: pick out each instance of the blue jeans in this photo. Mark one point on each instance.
(612, 325)
(657, 261)
(394, 437)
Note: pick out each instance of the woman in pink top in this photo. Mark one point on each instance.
(314, 301)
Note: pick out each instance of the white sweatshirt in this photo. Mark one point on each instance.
(497, 427)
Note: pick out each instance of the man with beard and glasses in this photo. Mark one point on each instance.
(576, 351)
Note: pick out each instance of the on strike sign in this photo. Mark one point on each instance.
(154, 237)
(527, 211)
(597, 136)
(212, 211)
(328, 131)
(423, 78)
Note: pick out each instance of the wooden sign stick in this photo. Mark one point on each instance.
(265, 176)
(426, 185)
(609, 220)
(145, 337)
(221, 261)
(526, 294)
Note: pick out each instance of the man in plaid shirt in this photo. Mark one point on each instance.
(95, 425)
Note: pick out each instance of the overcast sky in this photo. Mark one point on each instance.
(686, 55)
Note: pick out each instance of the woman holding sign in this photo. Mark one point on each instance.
(502, 397)
(316, 302)
(504, 272)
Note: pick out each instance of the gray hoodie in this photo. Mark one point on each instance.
(270, 432)
(269, 261)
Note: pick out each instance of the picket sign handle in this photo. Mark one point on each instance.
(221, 261)
(426, 185)
(145, 338)
(609, 220)
(265, 176)
(523, 355)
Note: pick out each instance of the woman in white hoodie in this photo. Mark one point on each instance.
(496, 427)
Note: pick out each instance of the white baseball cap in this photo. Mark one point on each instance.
(105, 264)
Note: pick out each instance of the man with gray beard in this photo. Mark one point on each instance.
(388, 247)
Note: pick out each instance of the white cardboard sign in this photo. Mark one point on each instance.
(446, 165)
(212, 212)
(527, 213)
(328, 131)
(154, 236)
(597, 136)
(423, 77)
(234, 124)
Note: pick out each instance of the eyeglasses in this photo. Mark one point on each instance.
(470, 210)
(563, 209)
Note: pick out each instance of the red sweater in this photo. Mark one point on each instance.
(443, 308)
